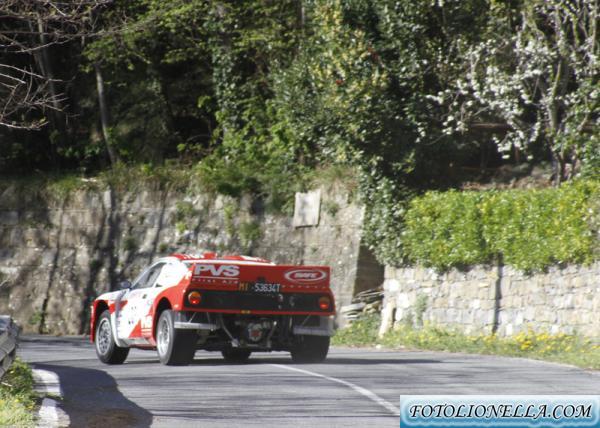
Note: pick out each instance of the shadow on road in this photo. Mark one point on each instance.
(283, 360)
(368, 361)
(40, 340)
(92, 399)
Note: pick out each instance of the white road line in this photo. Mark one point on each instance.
(363, 391)
(49, 415)
(47, 382)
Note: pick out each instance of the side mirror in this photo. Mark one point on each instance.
(124, 285)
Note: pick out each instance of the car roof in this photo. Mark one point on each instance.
(213, 257)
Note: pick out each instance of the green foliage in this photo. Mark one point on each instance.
(184, 214)
(420, 308)
(130, 243)
(359, 333)
(590, 158)
(288, 85)
(250, 149)
(385, 207)
(171, 176)
(533, 229)
(17, 397)
(528, 229)
(157, 66)
(62, 187)
(273, 178)
(359, 93)
(268, 97)
(35, 318)
(229, 212)
(249, 233)
(331, 207)
(445, 229)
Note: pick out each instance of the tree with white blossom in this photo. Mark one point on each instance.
(540, 84)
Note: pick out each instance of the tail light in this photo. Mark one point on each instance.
(194, 298)
(324, 303)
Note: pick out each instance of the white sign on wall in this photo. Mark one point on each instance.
(306, 208)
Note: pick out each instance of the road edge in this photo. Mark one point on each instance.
(50, 415)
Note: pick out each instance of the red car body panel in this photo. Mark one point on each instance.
(233, 277)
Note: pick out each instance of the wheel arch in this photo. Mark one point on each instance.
(163, 304)
(99, 307)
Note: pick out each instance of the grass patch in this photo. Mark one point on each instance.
(131, 178)
(561, 348)
(122, 177)
(17, 397)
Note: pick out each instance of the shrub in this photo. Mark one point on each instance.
(445, 229)
(528, 229)
(533, 229)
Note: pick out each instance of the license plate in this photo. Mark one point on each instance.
(263, 287)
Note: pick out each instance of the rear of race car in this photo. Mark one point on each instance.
(242, 307)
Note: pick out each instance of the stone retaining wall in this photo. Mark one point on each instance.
(499, 299)
(58, 253)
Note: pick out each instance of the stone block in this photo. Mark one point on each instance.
(35, 237)
(27, 257)
(439, 302)
(391, 286)
(404, 300)
(387, 318)
(70, 238)
(9, 218)
(5, 237)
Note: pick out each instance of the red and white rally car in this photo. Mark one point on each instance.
(233, 304)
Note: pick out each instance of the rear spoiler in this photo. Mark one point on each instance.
(223, 272)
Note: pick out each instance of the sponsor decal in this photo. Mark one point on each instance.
(147, 322)
(510, 411)
(305, 276)
(216, 271)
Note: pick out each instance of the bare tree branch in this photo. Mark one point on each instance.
(28, 28)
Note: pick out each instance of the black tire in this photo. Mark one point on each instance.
(106, 349)
(236, 355)
(310, 349)
(175, 347)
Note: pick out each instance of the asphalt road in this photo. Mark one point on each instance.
(353, 388)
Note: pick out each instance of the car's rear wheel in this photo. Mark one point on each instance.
(236, 355)
(106, 349)
(310, 349)
(175, 347)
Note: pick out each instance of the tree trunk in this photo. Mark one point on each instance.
(46, 68)
(104, 116)
(559, 168)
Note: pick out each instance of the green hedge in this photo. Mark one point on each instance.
(528, 229)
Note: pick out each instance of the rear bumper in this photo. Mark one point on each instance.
(248, 303)
(192, 321)
(202, 321)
